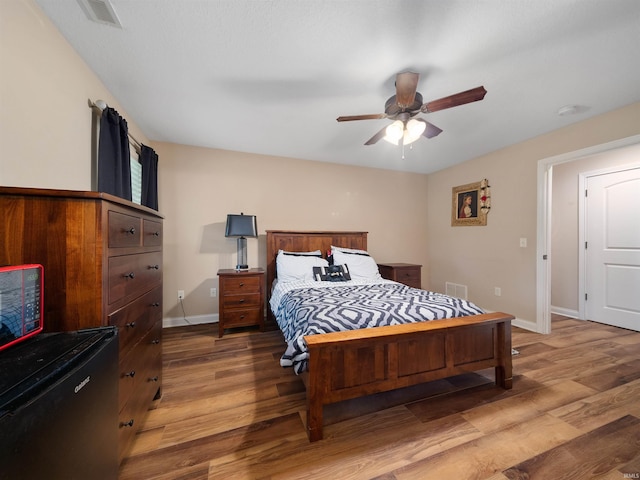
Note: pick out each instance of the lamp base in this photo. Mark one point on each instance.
(242, 267)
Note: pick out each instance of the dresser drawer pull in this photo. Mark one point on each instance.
(131, 324)
(242, 284)
(155, 304)
(242, 316)
(131, 374)
(154, 267)
(241, 300)
(155, 341)
(154, 379)
(131, 231)
(129, 275)
(156, 234)
(127, 424)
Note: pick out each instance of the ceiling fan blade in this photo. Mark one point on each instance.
(461, 98)
(431, 130)
(376, 137)
(373, 116)
(406, 85)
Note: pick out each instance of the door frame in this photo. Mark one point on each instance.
(582, 211)
(543, 231)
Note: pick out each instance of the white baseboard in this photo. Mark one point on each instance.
(564, 311)
(191, 320)
(525, 324)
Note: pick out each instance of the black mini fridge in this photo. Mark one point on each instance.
(59, 407)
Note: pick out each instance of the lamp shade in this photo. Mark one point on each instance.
(241, 226)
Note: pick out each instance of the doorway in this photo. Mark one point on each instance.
(543, 238)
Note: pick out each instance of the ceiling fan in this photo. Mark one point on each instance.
(406, 104)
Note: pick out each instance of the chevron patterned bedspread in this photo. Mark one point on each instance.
(308, 308)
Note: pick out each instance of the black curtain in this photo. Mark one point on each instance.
(114, 169)
(149, 161)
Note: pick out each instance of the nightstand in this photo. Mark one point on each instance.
(241, 298)
(407, 273)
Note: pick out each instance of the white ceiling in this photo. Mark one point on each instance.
(271, 76)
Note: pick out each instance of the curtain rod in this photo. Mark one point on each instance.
(101, 105)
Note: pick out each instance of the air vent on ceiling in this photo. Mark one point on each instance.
(100, 11)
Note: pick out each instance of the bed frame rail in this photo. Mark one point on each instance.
(351, 364)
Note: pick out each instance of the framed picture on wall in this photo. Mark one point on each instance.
(470, 204)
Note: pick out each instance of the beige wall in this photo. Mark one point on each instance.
(45, 142)
(45, 119)
(487, 257)
(199, 187)
(564, 222)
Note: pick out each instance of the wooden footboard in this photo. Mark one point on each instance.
(345, 365)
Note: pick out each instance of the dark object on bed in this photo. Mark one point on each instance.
(355, 363)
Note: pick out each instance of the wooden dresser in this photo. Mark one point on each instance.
(102, 259)
(407, 273)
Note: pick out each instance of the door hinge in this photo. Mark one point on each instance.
(585, 296)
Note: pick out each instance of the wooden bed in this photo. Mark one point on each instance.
(351, 364)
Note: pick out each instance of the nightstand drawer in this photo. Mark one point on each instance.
(407, 273)
(408, 277)
(234, 285)
(242, 317)
(241, 301)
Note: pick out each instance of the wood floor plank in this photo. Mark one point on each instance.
(589, 456)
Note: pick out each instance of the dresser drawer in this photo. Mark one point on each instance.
(243, 317)
(133, 274)
(152, 233)
(140, 369)
(135, 319)
(124, 230)
(235, 285)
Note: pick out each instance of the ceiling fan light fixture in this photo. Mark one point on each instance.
(394, 132)
(413, 131)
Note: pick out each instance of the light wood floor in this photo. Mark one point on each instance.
(229, 410)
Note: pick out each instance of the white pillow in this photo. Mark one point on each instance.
(295, 266)
(362, 266)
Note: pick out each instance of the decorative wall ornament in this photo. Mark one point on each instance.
(470, 204)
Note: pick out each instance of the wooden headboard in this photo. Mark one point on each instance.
(296, 241)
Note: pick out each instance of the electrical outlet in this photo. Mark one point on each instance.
(213, 292)
(180, 294)
(497, 291)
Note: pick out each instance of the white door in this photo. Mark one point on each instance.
(612, 259)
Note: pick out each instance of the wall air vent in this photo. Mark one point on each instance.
(456, 290)
(100, 11)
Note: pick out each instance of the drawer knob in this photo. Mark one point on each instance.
(154, 267)
(153, 379)
(127, 424)
(131, 231)
(156, 234)
(131, 374)
(131, 324)
(242, 300)
(242, 317)
(130, 275)
(155, 341)
(155, 304)
(242, 284)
